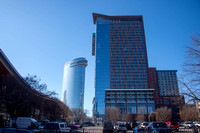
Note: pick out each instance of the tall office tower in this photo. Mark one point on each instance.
(121, 65)
(73, 83)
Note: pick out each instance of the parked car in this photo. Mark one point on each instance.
(42, 123)
(87, 124)
(189, 124)
(180, 124)
(197, 124)
(116, 126)
(108, 127)
(128, 126)
(14, 130)
(72, 126)
(138, 130)
(173, 125)
(56, 127)
(78, 125)
(134, 124)
(143, 124)
(122, 128)
(26, 123)
(154, 127)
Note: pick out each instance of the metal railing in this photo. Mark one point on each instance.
(188, 130)
(180, 130)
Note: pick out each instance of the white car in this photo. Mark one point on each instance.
(197, 124)
(116, 126)
(189, 124)
(143, 124)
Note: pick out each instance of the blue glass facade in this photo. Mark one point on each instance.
(73, 83)
(121, 57)
(131, 101)
(102, 75)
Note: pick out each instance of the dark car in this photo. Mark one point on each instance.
(160, 127)
(134, 124)
(42, 123)
(128, 126)
(108, 127)
(87, 124)
(122, 128)
(56, 127)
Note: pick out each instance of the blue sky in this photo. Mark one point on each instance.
(40, 36)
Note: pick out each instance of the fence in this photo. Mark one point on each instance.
(180, 130)
(87, 131)
(93, 131)
(188, 130)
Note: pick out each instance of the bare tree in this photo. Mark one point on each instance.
(191, 81)
(189, 113)
(141, 115)
(163, 114)
(112, 114)
(192, 64)
(34, 82)
(129, 118)
(79, 115)
(152, 116)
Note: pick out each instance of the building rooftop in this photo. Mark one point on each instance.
(80, 61)
(116, 18)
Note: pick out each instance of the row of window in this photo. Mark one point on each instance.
(138, 55)
(127, 70)
(129, 92)
(130, 100)
(134, 29)
(131, 41)
(129, 57)
(126, 25)
(127, 46)
(127, 38)
(138, 65)
(129, 96)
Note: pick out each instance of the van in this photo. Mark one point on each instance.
(26, 123)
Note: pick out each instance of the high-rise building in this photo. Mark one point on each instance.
(121, 63)
(166, 90)
(122, 76)
(73, 83)
(167, 82)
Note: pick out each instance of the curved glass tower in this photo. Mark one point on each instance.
(73, 83)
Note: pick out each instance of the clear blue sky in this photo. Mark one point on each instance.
(40, 36)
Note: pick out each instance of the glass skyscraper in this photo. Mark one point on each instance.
(121, 62)
(73, 83)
